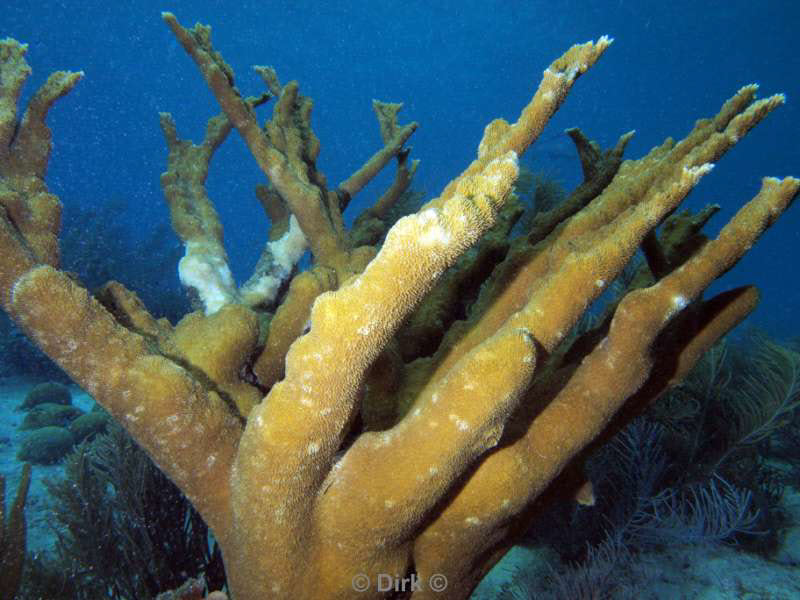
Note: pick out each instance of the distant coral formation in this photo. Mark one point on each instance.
(55, 425)
(400, 408)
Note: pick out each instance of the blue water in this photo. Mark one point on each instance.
(455, 65)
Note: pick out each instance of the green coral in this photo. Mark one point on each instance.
(46, 446)
(51, 392)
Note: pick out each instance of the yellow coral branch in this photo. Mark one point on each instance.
(302, 496)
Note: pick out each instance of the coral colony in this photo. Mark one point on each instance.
(360, 418)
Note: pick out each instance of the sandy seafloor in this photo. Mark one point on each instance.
(40, 526)
(679, 572)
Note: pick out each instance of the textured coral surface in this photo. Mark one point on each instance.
(361, 418)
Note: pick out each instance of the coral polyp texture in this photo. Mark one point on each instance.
(361, 418)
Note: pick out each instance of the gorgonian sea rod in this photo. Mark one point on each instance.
(360, 418)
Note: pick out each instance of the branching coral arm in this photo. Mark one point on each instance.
(613, 372)
(291, 438)
(305, 199)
